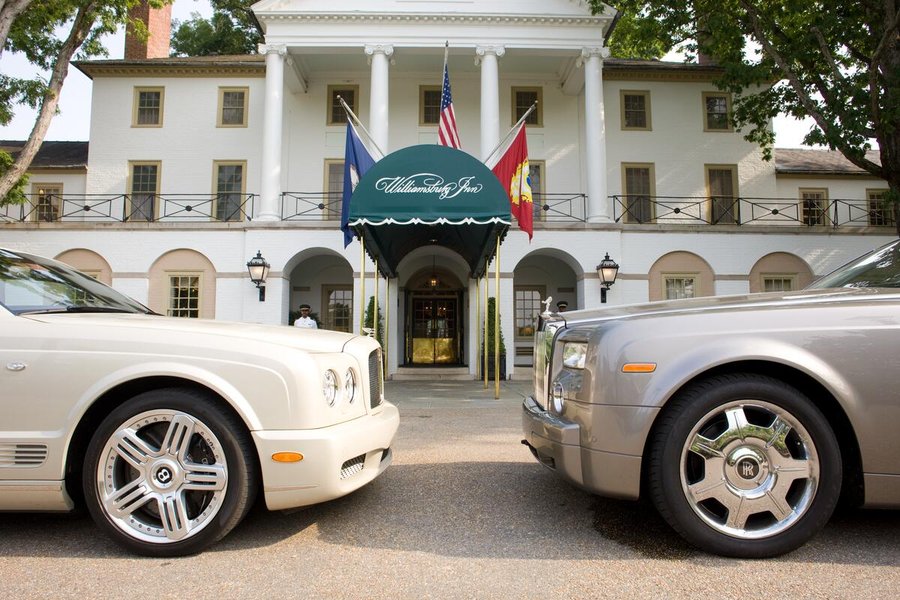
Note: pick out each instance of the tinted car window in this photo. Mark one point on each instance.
(880, 268)
(29, 284)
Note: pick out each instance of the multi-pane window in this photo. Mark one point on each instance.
(233, 107)
(522, 99)
(814, 207)
(184, 296)
(334, 188)
(47, 201)
(679, 286)
(638, 205)
(229, 190)
(148, 107)
(429, 104)
(880, 211)
(528, 309)
(338, 303)
(336, 113)
(143, 191)
(716, 114)
(721, 181)
(635, 110)
(779, 283)
(536, 177)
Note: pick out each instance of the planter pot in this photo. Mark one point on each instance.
(491, 366)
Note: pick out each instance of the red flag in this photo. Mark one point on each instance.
(512, 171)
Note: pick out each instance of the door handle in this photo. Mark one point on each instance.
(15, 366)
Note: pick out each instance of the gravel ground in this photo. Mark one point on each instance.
(464, 512)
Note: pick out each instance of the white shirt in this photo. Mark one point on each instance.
(306, 322)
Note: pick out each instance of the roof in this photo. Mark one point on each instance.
(52, 155)
(241, 63)
(809, 161)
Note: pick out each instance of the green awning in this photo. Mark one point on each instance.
(426, 195)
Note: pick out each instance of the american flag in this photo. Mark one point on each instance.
(448, 135)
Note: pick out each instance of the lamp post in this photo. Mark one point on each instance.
(608, 270)
(259, 270)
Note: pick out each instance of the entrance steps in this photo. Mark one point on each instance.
(433, 374)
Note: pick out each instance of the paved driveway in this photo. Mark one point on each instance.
(464, 512)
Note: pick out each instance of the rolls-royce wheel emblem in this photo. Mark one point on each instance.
(748, 468)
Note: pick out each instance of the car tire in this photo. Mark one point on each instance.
(744, 465)
(169, 473)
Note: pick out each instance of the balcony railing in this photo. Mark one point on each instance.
(548, 208)
(674, 210)
(130, 208)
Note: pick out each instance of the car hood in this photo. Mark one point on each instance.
(764, 301)
(146, 326)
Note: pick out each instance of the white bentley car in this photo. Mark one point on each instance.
(166, 429)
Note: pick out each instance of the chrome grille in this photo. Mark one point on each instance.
(353, 466)
(375, 378)
(22, 455)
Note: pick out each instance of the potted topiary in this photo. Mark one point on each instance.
(490, 344)
(370, 309)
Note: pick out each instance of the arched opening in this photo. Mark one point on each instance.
(536, 277)
(324, 280)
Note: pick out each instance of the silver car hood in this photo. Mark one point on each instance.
(771, 300)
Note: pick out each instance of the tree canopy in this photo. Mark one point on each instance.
(835, 61)
(49, 33)
(232, 29)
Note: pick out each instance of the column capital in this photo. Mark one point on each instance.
(482, 51)
(279, 49)
(601, 52)
(386, 49)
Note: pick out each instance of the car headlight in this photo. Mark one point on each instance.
(330, 387)
(574, 354)
(350, 386)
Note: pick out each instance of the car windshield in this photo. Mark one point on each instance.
(29, 284)
(877, 269)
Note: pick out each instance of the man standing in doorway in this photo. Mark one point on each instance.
(304, 320)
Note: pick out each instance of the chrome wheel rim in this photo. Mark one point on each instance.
(162, 476)
(749, 469)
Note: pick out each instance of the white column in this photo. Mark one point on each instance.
(488, 57)
(273, 116)
(595, 135)
(379, 59)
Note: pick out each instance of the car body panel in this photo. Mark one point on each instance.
(846, 340)
(55, 366)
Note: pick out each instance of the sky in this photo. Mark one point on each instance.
(73, 120)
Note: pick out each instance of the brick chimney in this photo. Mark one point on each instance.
(159, 26)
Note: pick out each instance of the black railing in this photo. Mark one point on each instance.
(560, 208)
(675, 210)
(130, 208)
(310, 206)
(548, 208)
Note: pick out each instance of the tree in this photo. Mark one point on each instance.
(33, 32)
(232, 29)
(835, 61)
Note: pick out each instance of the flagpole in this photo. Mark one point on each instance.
(487, 278)
(510, 132)
(362, 285)
(361, 126)
(497, 323)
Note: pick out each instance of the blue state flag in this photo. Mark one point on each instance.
(357, 161)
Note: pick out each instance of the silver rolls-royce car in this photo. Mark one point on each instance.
(166, 428)
(744, 419)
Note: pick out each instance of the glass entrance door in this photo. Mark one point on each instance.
(434, 331)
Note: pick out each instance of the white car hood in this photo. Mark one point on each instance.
(310, 340)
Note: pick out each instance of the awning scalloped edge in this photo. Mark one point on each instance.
(439, 221)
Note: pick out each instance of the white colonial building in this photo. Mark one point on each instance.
(196, 164)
